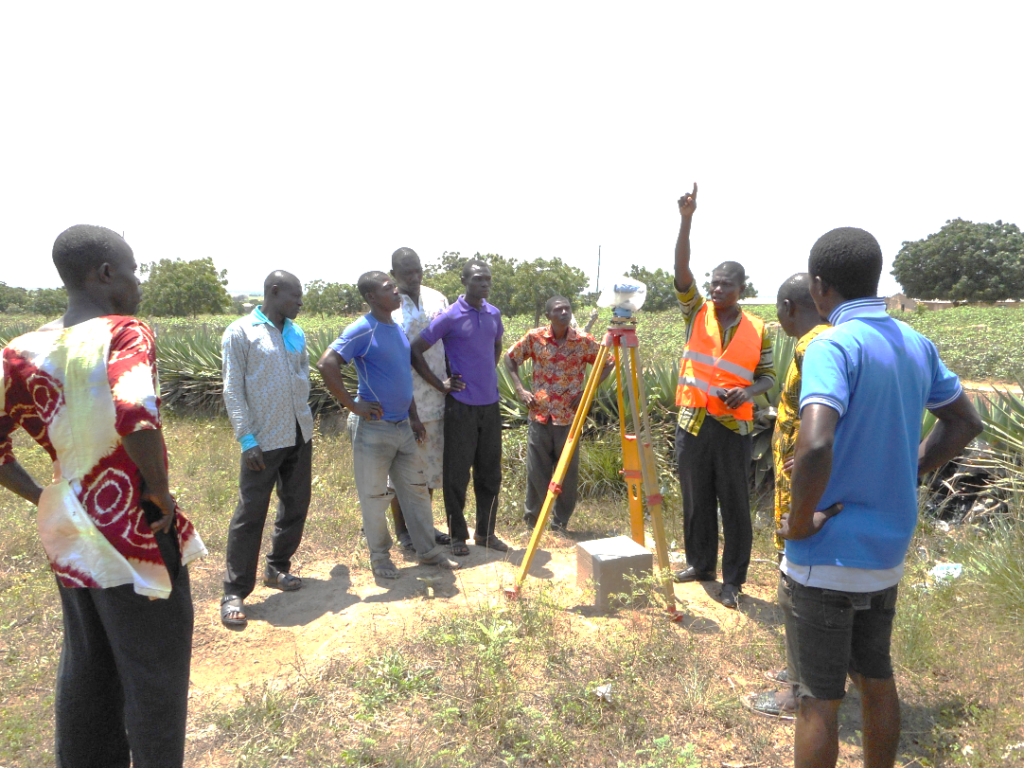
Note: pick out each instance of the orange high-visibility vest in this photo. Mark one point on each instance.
(706, 370)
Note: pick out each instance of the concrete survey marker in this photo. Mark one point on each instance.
(613, 565)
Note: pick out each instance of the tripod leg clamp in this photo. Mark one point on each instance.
(555, 488)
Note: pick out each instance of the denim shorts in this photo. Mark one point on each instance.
(830, 633)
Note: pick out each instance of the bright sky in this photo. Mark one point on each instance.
(320, 137)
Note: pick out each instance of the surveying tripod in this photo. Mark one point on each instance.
(639, 463)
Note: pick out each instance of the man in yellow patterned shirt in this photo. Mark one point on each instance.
(799, 319)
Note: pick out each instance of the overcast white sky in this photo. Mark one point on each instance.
(319, 137)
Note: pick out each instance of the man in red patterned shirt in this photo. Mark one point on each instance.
(560, 356)
(84, 387)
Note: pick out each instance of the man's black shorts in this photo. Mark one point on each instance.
(829, 633)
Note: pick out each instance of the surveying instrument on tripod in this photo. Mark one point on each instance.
(640, 469)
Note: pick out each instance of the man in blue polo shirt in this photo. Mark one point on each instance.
(385, 425)
(866, 383)
(472, 331)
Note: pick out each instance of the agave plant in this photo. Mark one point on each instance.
(766, 410)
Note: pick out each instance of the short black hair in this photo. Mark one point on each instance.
(797, 289)
(849, 260)
(734, 269)
(81, 249)
(401, 255)
(279, 277)
(370, 282)
(470, 265)
(550, 304)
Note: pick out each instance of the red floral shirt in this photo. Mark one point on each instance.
(78, 391)
(559, 369)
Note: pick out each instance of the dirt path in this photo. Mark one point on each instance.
(343, 614)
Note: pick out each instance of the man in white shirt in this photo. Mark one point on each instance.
(420, 305)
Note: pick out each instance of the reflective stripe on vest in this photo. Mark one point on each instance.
(707, 371)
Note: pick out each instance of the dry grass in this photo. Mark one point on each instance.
(514, 683)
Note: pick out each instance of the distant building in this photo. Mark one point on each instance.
(900, 303)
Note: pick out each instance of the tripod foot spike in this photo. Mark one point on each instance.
(511, 593)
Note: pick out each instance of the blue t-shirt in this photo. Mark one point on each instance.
(380, 353)
(879, 375)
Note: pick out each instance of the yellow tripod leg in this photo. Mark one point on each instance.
(555, 487)
(648, 468)
(630, 461)
(648, 465)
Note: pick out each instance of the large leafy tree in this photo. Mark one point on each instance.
(964, 262)
(661, 292)
(184, 288)
(518, 287)
(321, 298)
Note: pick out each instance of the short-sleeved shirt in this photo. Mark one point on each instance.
(559, 368)
(78, 391)
(879, 375)
(787, 427)
(380, 353)
(415, 317)
(691, 419)
(469, 336)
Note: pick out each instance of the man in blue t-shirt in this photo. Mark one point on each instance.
(866, 383)
(385, 426)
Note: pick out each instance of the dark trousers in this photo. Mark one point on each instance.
(472, 439)
(712, 468)
(291, 471)
(544, 445)
(122, 681)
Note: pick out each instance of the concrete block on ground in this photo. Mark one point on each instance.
(612, 565)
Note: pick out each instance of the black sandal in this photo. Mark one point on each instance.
(232, 604)
(459, 548)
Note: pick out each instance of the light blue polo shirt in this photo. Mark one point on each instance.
(879, 375)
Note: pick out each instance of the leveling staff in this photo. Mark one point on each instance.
(727, 362)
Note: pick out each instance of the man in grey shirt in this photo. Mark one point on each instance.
(266, 391)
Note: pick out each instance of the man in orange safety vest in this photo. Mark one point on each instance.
(727, 362)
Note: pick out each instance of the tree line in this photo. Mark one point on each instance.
(963, 262)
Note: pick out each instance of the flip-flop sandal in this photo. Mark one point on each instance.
(442, 539)
(778, 676)
(460, 548)
(283, 581)
(232, 604)
(386, 570)
(764, 704)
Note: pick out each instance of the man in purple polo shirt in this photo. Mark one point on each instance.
(472, 331)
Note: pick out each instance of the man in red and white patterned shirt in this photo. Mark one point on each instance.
(85, 388)
(560, 356)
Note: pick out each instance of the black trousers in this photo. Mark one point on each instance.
(122, 681)
(472, 440)
(291, 471)
(712, 468)
(544, 445)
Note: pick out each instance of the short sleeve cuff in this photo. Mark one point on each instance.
(948, 400)
(828, 402)
(248, 442)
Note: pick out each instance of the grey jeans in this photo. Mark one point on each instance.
(383, 448)
(544, 448)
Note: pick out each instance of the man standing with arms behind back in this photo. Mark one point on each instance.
(727, 362)
(85, 388)
(866, 383)
(266, 391)
(420, 305)
(472, 331)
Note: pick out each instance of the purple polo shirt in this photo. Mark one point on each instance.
(469, 335)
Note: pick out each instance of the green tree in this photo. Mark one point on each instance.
(661, 292)
(324, 298)
(518, 287)
(48, 301)
(184, 288)
(749, 291)
(13, 300)
(964, 262)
